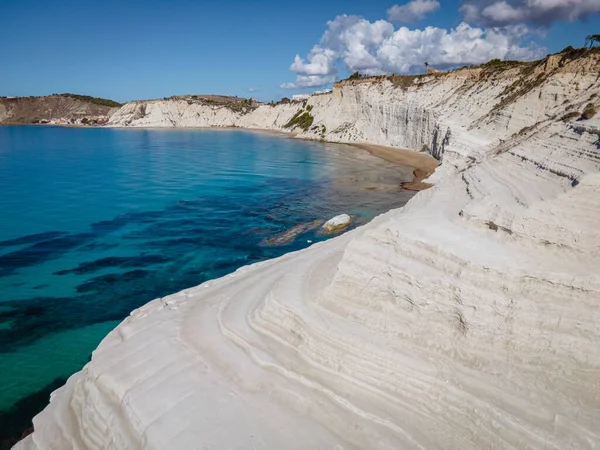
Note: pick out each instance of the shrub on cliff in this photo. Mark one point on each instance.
(570, 116)
(94, 100)
(588, 112)
(302, 119)
(500, 64)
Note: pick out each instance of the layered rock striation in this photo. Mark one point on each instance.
(468, 319)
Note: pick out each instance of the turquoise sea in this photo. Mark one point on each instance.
(96, 222)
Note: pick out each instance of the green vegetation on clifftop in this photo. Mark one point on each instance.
(94, 100)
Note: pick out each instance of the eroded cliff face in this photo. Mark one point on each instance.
(423, 113)
(467, 319)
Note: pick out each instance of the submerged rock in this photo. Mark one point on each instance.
(289, 235)
(337, 224)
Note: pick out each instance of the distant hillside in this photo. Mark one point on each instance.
(94, 100)
(62, 109)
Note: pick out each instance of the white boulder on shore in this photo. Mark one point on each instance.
(337, 223)
(469, 319)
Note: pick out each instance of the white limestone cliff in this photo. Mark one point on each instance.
(468, 319)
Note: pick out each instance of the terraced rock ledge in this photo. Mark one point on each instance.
(468, 319)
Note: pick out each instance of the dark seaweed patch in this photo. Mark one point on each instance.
(99, 246)
(40, 252)
(113, 296)
(108, 226)
(180, 243)
(115, 261)
(106, 281)
(30, 320)
(16, 421)
(32, 238)
(33, 318)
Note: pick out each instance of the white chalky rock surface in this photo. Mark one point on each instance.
(337, 223)
(468, 319)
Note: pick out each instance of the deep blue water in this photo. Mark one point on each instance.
(96, 222)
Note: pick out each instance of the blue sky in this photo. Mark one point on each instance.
(128, 50)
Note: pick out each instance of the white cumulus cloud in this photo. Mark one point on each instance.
(412, 11)
(305, 81)
(320, 61)
(539, 12)
(378, 48)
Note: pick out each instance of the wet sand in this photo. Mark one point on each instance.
(423, 164)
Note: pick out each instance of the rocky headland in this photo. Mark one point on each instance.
(63, 109)
(468, 319)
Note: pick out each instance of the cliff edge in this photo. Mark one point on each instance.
(468, 319)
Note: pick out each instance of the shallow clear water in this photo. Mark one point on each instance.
(96, 222)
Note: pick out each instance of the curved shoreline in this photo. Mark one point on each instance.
(348, 167)
(467, 319)
(423, 164)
